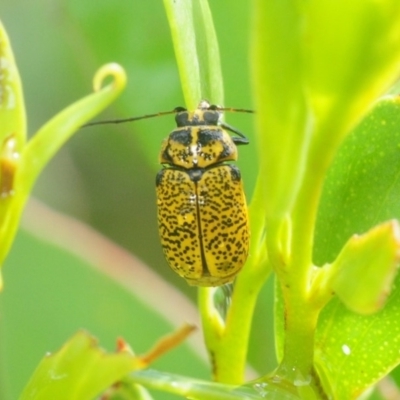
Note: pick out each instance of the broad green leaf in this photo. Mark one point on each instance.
(362, 190)
(363, 273)
(366, 268)
(353, 351)
(362, 186)
(80, 370)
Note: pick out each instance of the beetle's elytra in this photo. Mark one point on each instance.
(202, 212)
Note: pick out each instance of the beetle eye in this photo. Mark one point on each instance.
(181, 118)
(211, 117)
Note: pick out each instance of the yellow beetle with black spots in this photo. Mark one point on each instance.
(202, 212)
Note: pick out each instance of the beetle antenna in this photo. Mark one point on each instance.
(159, 114)
(130, 119)
(230, 109)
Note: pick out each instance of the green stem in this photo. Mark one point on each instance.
(300, 314)
(212, 323)
(300, 324)
(228, 342)
(300, 311)
(231, 354)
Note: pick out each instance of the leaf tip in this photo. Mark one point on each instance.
(115, 71)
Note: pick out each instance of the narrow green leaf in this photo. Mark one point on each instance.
(128, 391)
(79, 370)
(12, 134)
(196, 50)
(48, 140)
(12, 108)
(180, 18)
(21, 167)
(208, 53)
(203, 390)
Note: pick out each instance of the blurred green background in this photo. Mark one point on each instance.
(105, 175)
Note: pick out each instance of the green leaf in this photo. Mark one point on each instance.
(313, 82)
(12, 108)
(180, 18)
(203, 390)
(318, 66)
(79, 370)
(196, 51)
(362, 186)
(362, 189)
(49, 139)
(83, 280)
(212, 80)
(353, 352)
(127, 391)
(366, 267)
(20, 167)
(282, 126)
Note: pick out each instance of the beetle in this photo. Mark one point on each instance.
(202, 212)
